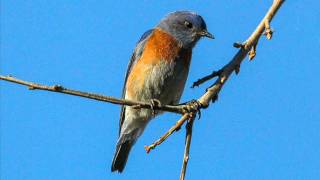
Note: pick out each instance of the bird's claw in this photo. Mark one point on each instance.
(193, 106)
(154, 103)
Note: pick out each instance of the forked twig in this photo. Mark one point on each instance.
(174, 128)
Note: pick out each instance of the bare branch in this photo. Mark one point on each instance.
(206, 78)
(174, 128)
(187, 147)
(59, 89)
(234, 64)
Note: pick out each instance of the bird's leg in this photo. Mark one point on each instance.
(154, 103)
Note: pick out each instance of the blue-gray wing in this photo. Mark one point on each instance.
(134, 58)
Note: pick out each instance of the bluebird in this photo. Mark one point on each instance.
(158, 70)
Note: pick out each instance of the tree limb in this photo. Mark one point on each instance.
(249, 47)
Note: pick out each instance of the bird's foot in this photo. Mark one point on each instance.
(192, 106)
(154, 103)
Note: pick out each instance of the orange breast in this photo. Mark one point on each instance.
(159, 47)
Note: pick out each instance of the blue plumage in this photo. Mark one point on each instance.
(158, 69)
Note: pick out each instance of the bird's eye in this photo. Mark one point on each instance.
(188, 24)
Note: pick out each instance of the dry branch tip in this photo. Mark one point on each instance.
(237, 69)
(148, 148)
(206, 78)
(268, 30)
(252, 53)
(238, 45)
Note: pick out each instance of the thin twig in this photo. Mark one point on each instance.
(174, 128)
(236, 61)
(233, 65)
(187, 147)
(206, 78)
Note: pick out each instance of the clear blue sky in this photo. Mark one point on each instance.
(264, 126)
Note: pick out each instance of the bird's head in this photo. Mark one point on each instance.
(185, 26)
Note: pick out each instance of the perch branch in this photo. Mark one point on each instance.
(60, 89)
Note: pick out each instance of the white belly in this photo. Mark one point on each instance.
(165, 82)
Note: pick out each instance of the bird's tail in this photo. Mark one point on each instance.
(122, 152)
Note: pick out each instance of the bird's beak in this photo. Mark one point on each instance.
(205, 33)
